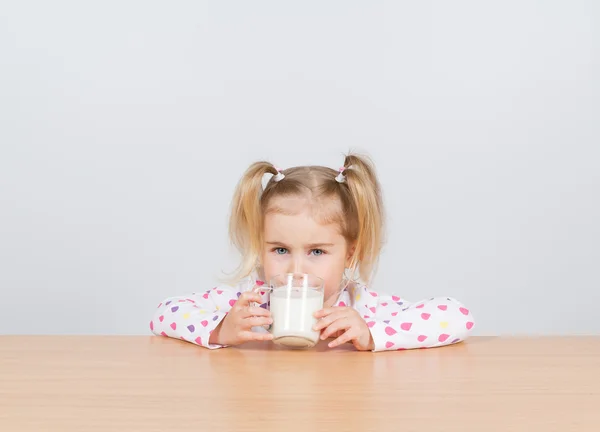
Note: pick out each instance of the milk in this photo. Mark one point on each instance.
(292, 312)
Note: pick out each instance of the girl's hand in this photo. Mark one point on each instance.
(347, 324)
(236, 328)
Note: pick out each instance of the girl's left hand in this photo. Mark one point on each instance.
(348, 324)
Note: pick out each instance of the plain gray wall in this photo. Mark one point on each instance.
(124, 127)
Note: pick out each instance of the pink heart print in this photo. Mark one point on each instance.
(425, 316)
(421, 338)
(442, 307)
(204, 323)
(469, 325)
(174, 326)
(390, 331)
(406, 326)
(389, 344)
(370, 324)
(464, 311)
(443, 337)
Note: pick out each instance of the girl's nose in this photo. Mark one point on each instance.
(296, 265)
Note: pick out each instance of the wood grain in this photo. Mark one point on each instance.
(96, 383)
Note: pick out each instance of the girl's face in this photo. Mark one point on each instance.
(294, 242)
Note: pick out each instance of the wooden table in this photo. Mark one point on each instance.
(96, 383)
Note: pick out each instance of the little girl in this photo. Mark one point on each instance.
(311, 219)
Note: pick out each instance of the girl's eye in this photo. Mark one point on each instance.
(317, 252)
(280, 251)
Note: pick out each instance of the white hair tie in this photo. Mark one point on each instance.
(279, 176)
(341, 178)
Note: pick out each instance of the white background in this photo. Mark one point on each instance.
(124, 126)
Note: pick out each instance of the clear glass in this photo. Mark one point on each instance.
(294, 298)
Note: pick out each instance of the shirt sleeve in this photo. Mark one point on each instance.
(193, 317)
(396, 324)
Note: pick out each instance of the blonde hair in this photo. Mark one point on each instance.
(360, 216)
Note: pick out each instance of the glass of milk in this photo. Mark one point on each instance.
(294, 298)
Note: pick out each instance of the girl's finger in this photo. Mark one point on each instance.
(340, 324)
(246, 298)
(247, 336)
(326, 311)
(251, 311)
(256, 322)
(327, 320)
(347, 336)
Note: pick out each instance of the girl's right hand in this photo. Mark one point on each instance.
(236, 327)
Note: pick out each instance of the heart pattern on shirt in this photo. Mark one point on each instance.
(390, 331)
(451, 320)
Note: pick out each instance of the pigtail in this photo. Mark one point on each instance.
(365, 192)
(245, 221)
